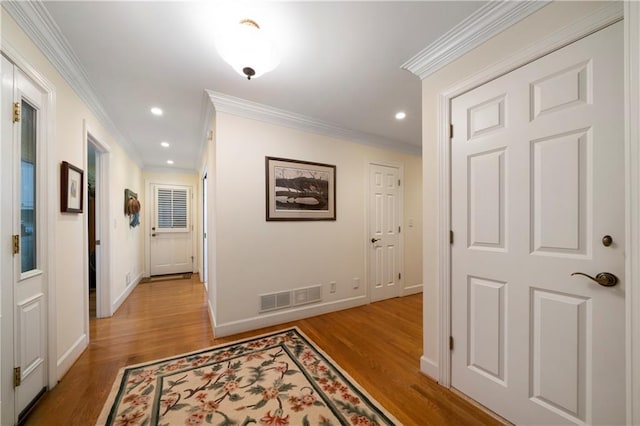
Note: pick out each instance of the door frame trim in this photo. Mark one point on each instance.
(597, 20)
(367, 223)
(632, 207)
(203, 267)
(49, 144)
(104, 310)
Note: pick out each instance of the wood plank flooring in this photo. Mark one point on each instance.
(379, 345)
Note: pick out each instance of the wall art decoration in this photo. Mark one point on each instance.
(300, 190)
(71, 188)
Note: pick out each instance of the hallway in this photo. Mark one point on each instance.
(379, 345)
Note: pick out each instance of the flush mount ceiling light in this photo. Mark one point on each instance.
(156, 111)
(401, 115)
(247, 49)
(164, 144)
(169, 161)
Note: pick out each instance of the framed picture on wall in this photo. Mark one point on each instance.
(71, 188)
(300, 190)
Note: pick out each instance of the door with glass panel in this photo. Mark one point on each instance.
(24, 306)
(171, 243)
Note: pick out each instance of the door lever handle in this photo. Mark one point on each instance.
(374, 240)
(606, 279)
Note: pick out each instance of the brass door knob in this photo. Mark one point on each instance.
(606, 279)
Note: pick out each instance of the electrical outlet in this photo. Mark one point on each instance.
(128, 278)
(356, 283)
(332, 287)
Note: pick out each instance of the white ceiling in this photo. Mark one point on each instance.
(340, 64)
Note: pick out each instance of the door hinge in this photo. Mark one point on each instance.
(17, 377)
(451, 131)
(450, 342)
(398, 182)
(16, 244)
(16, 112)
(399, 229)
(97, 242)
(450, 237)
(399, 275)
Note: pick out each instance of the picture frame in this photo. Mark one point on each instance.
(71, 188)
(299, 190)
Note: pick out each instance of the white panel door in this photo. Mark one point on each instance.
(384, 229)
(24, 307)
(537, 183)
(171, 242)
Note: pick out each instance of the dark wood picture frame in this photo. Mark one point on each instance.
(299, 190)
(71, 188)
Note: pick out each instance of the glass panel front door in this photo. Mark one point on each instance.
(28, 187)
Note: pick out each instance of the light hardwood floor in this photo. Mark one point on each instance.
(379, 345)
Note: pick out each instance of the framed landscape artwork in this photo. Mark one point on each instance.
(300, 190)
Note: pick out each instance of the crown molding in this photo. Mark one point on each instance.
(486, 22)
(34, 19)
(255, 111)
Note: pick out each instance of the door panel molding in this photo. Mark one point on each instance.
(599, 19)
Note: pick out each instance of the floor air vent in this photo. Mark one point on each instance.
(285, 299)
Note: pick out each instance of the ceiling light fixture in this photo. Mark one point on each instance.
(401, 115)
(169, 161)
(156, 111)
(248, 49)
(164, 144)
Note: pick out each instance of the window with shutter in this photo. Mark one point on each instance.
(172, 212)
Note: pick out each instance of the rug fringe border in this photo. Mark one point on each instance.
(106, 408)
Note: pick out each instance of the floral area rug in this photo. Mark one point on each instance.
(279, 379)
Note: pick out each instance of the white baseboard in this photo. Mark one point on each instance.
(67, 359)
(212, 315)
(127, 291)
(429, 368)
(233, 327)
(413, 289)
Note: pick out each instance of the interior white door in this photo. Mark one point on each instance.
(537, 182)
(24, 307)
(384, 231)
(171, 242)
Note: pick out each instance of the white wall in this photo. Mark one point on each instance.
(255, 256)
(70, 256)
(127, 244)
(537, 26)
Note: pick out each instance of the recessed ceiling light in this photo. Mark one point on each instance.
(169, 161)
(156, 111)
(164, 144)
(401, 115)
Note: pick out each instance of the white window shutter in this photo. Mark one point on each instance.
(172, 212)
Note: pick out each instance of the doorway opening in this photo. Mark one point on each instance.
(91, 211)
(96, 229)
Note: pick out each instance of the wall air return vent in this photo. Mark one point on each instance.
(289, 298)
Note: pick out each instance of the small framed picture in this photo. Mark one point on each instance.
(300, 190)
(71, 188)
